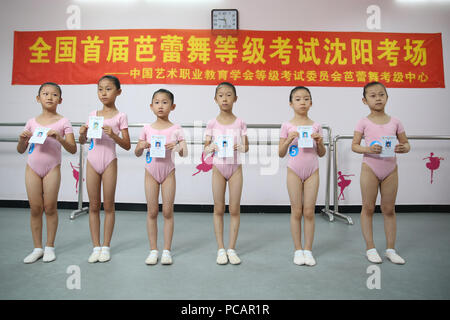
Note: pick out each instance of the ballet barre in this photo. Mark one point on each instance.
(82, 210)
(335, 210)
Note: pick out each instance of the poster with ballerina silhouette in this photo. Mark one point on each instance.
(206, 165)
(343, 183)
(433, 164)
(76, 175)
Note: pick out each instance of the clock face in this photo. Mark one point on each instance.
(222, 19)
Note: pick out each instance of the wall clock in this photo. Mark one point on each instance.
(224, 19)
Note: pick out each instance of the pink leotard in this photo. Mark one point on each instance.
(381, 167)
(303, 161)
(227, 166)
(103, 151)
(44, 157)
(159, 168)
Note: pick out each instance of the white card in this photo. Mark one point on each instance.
(95, 127)
(158, 146)
(388, 145)
(225, 144)
(39, 135)
(304, 138)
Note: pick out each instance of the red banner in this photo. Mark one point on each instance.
(254, 58)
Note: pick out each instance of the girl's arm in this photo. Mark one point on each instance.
(358, 148)
(83, 134)
(124, 142)
(209, 147)
(183, 151)
(179, 146)
(68, 142)
(319, 142)
(22, 145)
(282, 147)
(141, 145)
(403, 145)
(242, 147)
(284, 143)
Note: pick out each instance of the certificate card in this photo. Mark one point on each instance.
(95, 127)
(304, 138)
(225, 144)
(388, 145)
(158, 146)
(39, 135)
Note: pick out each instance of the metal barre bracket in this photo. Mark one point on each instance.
(79, 212)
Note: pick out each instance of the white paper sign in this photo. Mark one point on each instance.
(225, 144)
(388, 145)
(39, 135)
(304, 138)
(95, 127)
(158, 146)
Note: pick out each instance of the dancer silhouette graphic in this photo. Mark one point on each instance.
(343, 183)
(433, 164)
(206, 164)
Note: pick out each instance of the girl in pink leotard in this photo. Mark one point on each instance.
(160, 172)
(101, 165)
(226, 170)
(42, 174)
(302, 172)
(378, 172)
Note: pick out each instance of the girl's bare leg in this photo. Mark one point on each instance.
(51, 183)
(168, 188)
(152, 196)
(369, 191)
(218, 189)
(388, 191)
(109, 179)
(235, 192)
(295, 191)
(310, 189)
(93, 186)
(33, 184)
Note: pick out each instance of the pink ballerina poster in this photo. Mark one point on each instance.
(206, 165)
(343, 183)
(433, 163)
(76, 175)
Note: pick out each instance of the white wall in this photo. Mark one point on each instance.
(422, 111)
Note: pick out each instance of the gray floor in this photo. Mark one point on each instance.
(264, 245)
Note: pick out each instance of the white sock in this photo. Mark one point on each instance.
(38, 250)
(97, 249)
(36, 254)
(307, 253)
(390, 250)
(370, 251)
(49, 249)
(105, 249)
